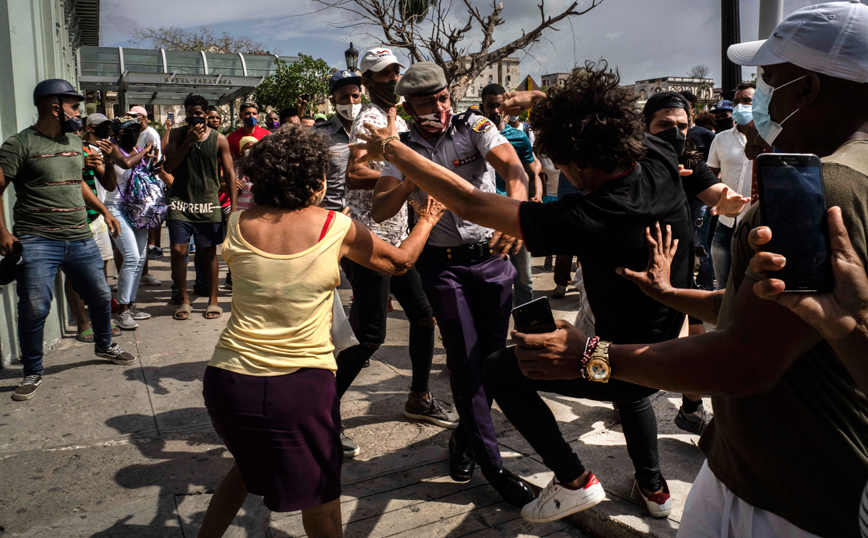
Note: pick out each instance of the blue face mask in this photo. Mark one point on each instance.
(743, 114)
(251, 121)
(765, 126)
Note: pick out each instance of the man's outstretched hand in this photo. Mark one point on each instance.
(835, 314)
(730, 203)
(556, 355)
(654, 280)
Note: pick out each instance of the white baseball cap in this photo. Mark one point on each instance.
(377, 59)
(831, 39)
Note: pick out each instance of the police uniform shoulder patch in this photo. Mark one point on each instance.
(463, 118)
(482, 125)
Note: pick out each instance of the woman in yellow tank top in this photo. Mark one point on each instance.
(270, 386)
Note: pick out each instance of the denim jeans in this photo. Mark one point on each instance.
(720, 254)
(82, 264)
(522, 288)
(132, 244)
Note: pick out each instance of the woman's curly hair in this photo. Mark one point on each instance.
(286, 168)
(590, 121)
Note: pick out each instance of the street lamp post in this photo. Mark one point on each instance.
(352, 57)
(730, 34)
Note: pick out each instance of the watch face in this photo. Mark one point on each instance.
(598, 369)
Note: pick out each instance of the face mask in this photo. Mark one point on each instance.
(251, 121)
(675, 137)
(103, 131)
(723, 124)
(436, 122)
(743, 114)
(70, 124)
(128, 139)
(513, 119)
(762, 98)
(274, 124)
(349, 112)
(385, 91)
(496, 119)
(195, 120)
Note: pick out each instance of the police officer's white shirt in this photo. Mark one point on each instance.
(463, 148)
(736, 171)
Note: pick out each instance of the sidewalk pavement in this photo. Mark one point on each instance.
(105, 450)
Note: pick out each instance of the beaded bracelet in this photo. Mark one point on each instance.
(590, 346)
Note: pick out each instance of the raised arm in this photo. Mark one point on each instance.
(487, 209)
(390, 195)
(723, 201)
(176, 149)
(131, 160)
(365, 248)
(359, 175)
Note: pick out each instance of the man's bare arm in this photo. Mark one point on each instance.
(225, 158)
(390, 195)
(359, 175)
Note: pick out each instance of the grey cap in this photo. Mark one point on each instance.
(423, 78)
(96, 119)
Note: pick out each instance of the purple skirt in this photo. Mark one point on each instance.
(283, 431)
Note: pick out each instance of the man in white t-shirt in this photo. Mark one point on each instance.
(726, 157)
(149, 134)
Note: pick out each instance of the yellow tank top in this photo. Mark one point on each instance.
(281, 305)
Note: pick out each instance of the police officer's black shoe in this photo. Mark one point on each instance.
(461, 461)
(511, 487)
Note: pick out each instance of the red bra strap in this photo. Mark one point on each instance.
(325, 227)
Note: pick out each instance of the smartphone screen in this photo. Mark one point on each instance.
(171, 116)
(793, 205)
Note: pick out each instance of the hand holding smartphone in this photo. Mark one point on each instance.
(534, 317)
(793, 205)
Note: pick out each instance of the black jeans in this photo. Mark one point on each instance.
(519, 400)
(368, 315)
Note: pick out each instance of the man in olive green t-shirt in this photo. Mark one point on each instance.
(44, 163)
(787, 450)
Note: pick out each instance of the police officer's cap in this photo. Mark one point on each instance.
(55, 86)
(423, 78)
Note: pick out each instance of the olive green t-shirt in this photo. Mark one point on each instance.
(801, 450)
(46, 173)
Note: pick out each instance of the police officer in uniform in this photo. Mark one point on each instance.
(468, 283)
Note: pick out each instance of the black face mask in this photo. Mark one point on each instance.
(128, 139)
(68, 124)
(195, 120)
(675, 138)
(103, 131)
(496, 119)
(723, 124)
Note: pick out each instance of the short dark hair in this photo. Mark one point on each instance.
(212, 108)
(590, 121)
(247, 105)
(745, 85)
(196, 100)
(288, 113)
(690, 96)
(287, 167)
(705, 119)
(492, 89)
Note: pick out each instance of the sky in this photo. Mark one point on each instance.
(644, 39)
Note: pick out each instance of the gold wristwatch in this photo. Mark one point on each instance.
(597, 368)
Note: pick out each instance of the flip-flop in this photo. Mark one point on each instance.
(213, 309)
(85, 336)
(183, 312)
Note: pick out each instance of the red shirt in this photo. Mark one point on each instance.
(235, 137)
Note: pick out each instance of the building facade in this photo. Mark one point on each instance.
(554, 79)
(38, 40)
(702, 87)
(506, 72)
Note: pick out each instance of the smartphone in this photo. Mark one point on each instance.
(171, 116)
(793, 205)
(534, 317)
(305, 97)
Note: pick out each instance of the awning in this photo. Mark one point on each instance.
(161, 77)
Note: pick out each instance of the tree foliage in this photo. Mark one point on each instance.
(290, 80)
(202, 38)
(429, 30)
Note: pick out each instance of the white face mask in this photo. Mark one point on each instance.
(349, 112)
(762, 120)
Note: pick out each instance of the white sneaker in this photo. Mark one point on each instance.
(125, 321)
(138, 315)
(658, 504)
(150, 280)
(556, 502)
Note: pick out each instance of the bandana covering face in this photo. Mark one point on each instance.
(436, 122)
